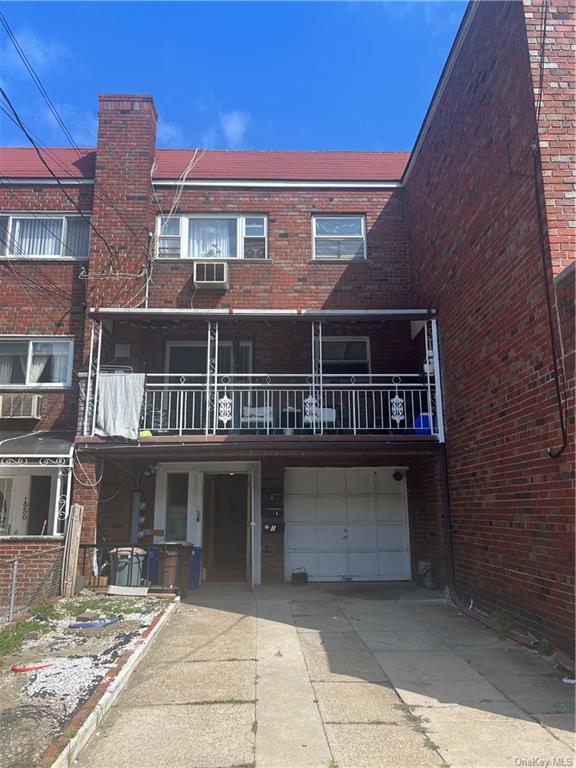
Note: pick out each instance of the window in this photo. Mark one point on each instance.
(345, 355)
(38, 362)
(176, 507)
(339, 237)
(27, 504)
(220, 236)
(5, 502)
(41, 236)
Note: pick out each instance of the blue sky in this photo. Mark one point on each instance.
(263, 75)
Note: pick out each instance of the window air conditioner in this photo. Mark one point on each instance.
(211, 274)
(21, 406)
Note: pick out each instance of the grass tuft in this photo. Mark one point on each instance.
(12, 637)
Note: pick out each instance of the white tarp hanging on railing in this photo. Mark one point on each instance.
(119, 404)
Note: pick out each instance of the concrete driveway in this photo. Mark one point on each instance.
(335, 676)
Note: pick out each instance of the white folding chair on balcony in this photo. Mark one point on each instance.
(257, 417)
(314, 414)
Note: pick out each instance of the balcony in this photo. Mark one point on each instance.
(289, 404)
(266, 373)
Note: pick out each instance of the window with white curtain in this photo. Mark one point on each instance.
(339, 237)
(44, 236)
(35, 362)
(218, 236)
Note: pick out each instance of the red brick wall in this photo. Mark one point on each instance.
(426, 508)
(474, 236)
(44, 298)
(85, 491)
(38, 571)
(556, 127)
(289, 277)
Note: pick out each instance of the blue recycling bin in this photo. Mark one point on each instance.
(153, 566)
(195, 572)
(423, 424)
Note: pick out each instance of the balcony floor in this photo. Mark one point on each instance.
(262, 445)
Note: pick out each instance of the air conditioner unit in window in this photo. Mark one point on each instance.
(21, 406)
(211, 274)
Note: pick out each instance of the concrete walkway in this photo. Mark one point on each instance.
(334, 676)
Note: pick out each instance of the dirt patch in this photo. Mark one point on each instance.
(36, 705)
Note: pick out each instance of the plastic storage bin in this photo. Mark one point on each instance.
(423, 424)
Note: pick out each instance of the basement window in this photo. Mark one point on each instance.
(339, 237)
(41, 236)
(35, 363)
(219, 236)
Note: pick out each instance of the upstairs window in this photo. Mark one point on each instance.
(43, 236)
(220, 236)
(339, 237)
(345, 355)
(35, 362)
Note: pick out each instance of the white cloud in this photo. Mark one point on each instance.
(234, 126)
(43, 55)
(169, 134)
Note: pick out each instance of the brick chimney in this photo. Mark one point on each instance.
(122, 211)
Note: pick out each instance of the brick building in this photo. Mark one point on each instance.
(353, 364)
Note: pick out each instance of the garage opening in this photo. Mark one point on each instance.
(347, 524)
(226, 543)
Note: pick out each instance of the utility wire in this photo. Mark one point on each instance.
(37, 80)
(51, 172)
(22, 255)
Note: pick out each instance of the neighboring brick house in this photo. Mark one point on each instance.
(346, 363)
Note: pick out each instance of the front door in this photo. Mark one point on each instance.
(226, 523)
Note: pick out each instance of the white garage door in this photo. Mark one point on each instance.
(346, 524)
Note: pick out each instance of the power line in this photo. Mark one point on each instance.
(37, 81)
(51, 172)
(22, 255)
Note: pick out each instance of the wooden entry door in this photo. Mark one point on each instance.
(226, 523)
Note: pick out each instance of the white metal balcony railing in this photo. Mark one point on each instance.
(276, 404)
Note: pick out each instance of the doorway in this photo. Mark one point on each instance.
(226, 543)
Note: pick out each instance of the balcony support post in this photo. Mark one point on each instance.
(317, 377)
(437, 382)
(88, 392)
(211, 416)
(94, 371)
(429, 372)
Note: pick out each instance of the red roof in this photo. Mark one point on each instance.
(25, 163)
(219, 164)
(295, 166)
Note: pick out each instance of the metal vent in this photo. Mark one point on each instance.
(211, 274)
(21, 406)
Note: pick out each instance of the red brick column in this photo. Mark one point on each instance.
(86, 492)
